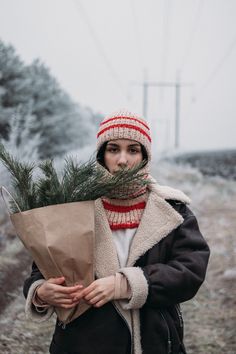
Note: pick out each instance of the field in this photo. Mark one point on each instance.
(210, 318)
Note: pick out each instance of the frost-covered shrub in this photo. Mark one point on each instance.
(36, 111)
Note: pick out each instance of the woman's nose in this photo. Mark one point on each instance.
(122, 161)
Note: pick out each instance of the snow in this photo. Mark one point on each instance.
(206, 327)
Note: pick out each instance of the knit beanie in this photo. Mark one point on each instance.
(126, 212)
(125, 125)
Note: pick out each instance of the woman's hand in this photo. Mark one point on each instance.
(99, 292)
(54, 293)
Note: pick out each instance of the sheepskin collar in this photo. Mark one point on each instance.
(158, 220)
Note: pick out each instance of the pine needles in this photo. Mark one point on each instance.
(22, 183)
(79, 182)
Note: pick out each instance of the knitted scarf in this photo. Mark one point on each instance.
(126, 212)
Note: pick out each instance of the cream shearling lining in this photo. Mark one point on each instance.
(138, 285)
(30, 310)
(166, 192)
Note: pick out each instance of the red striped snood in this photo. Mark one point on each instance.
(125, 214)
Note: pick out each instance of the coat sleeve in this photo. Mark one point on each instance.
(179, 279)
(34, 276)
(30, 285)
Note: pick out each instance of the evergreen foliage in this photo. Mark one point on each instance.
(24, 190)
(78, 182)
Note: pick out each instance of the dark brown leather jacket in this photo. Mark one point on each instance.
(175, 268)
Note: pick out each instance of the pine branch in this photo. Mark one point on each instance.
(75, 178)
(79, 182)
(49, 188)
(126, 179)
(21, 178)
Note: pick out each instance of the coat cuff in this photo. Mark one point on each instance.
(30, 310)
(138, 285)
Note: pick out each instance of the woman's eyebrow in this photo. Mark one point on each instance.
(136, 144)
(113, 144)
(130, 145)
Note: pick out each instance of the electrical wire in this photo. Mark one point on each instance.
(165, 43)
(192, 35)
(82, 12)
(138, 40)
(165, 37)
(218, 67)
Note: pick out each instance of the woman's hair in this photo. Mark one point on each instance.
(101, 153)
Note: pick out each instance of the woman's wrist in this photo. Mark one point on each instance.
(37, 300)
(122, 288)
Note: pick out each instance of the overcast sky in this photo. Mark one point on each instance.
(99, 49)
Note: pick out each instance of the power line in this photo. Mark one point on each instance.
(219, 65)
(165, 37)
(192, 34)
(81, 11)
(139, 42)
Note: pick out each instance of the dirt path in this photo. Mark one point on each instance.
(210, 318)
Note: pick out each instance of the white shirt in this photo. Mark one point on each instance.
(122, 239)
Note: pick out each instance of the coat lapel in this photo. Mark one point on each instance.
(158, 220)
(106, 258)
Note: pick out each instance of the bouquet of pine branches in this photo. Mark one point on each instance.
(54, 215)
(78, 182)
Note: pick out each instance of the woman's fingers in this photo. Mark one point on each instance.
(80, 295)
(56, 283)
(91, 287)
(100, 291)
(53, 293)
(59, 295)
(91, 295)
(95, 299)
(100, 303)
(69, 289)
(97, 293)
(65, 301)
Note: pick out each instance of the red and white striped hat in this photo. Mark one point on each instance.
(124, 125)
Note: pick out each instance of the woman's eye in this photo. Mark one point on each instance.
(134, 151)
(113, 150)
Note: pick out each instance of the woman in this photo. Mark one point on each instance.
(149, 257)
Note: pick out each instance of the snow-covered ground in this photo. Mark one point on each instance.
(210, 318)
(210, 163)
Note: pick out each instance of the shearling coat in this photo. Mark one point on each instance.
(166, 266)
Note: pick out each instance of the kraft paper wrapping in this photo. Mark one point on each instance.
(60, 239)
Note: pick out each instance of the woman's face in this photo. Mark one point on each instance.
(122, 153)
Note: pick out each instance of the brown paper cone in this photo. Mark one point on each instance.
(60, 239)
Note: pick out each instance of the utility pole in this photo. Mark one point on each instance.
(177, 85)
(177, 113)
(145, 92)
(145, 98)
